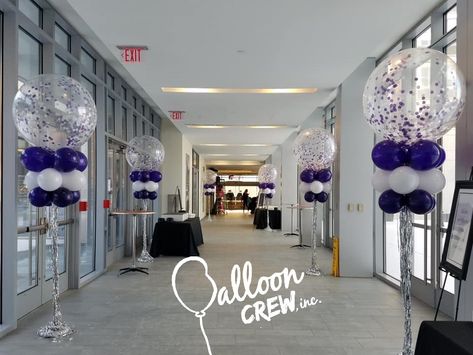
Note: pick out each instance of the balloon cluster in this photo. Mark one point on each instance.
(54, 177)
(56, 115)
(408, 175)
(267, 175)
(411, 116)
(145, 154)
(210, 182)
(145, 184)
(316, 185)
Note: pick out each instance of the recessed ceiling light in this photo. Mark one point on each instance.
(230, 155)
(210, 126)
(232, 162)
(181, 90)
(234, 145)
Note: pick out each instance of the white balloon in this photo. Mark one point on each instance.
(403, 180)
(31, 180)
(138, 186)
(49, 179)
(209, 190)
(273, 191)
(432, 181)
(150, 186)
(267, 191)
(327, 186)
(380, 180)
(304, 187)
(316, 187)
(73, 181)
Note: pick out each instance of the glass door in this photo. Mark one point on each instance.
(117, 182)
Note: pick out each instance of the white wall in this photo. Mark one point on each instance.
(288, 183)
(355, 142)
(186, 150)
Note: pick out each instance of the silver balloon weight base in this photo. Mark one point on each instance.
(313, 271)
(145, 257)
(55, 330)
(268, 229)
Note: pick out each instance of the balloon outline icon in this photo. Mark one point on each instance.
(199, 314)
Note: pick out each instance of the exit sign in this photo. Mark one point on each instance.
(132, 54)
(177, 115)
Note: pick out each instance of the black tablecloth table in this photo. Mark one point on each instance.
(177, 238)
(261, 221)
(442, 338)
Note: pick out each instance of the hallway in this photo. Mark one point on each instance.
(137, 314)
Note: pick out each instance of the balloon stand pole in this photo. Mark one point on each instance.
(209, 215)
(314, 269)
(145, 256)
(268, 227)
(57, 328)
(406, 272)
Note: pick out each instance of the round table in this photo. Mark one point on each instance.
(134, 214)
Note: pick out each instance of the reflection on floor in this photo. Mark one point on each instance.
(138, 314)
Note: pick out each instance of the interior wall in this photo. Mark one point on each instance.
(355, 142)
(288, 184)
(186, 151)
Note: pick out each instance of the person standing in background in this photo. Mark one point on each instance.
(245, 200)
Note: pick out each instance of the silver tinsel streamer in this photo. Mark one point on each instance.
(314, 269)
(57, 328)
(145, 257)
(268, 227)
(209, 200)
(405, 233)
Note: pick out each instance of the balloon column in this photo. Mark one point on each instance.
(267, 175)
(412, 99)
(314, 149)
(56, 115)
(209, 188)
(145, 155)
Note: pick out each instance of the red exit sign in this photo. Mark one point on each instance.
(176, 115)
(132, 54)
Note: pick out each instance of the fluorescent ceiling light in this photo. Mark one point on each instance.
(234, 162)
(236, 172)
(210, 126)
(234, 145)
(177, 90)
(230, 155)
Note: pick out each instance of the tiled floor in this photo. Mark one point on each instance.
(138, 314)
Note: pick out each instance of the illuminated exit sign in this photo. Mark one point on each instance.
(132, 54)
(176, 115)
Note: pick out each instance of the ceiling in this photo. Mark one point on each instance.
(242, 44)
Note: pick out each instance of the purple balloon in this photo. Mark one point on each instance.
(207, 193)
(155, 176)
(389, 155)
(144, 194)
(271, 185)
(269, 195)
(441, 159)
(322, 197)
(153, 195)
(135, 175)
(424, 155)
(263, 185)
(39, 198)
(206, 186)
(307, 175)
(75, 196)
(65, 160)
(144, 176)
(309, 196)
(324, 175)
(420, 202)
(37, 159)
(391, 202)
(62, 197)
(83, 162)
(137, 194)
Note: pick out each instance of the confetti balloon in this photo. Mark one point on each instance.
(267, 173)
(414, 94)
(145, 153)
(54, 111)
(210, 177)
(314, 148)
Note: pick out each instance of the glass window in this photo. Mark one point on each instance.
(62, 37)
(134, 102)
(110, 115)
(135, 126)
(88, 61)
(391, 246)
(124, 122)
(423, 40)
(450, 19)
(152, 118)
(29, 56)
(143, 110)
(451, 51)
(111, 81)
(61, 66)
(32, 10)
(143, 126)
(151, 133)
(124, 93)
(90, 86)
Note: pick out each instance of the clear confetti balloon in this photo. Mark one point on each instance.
(267, 173)
(145, 153)
(210, 177)
(414, 94)
(54, 111)
(314, 148)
